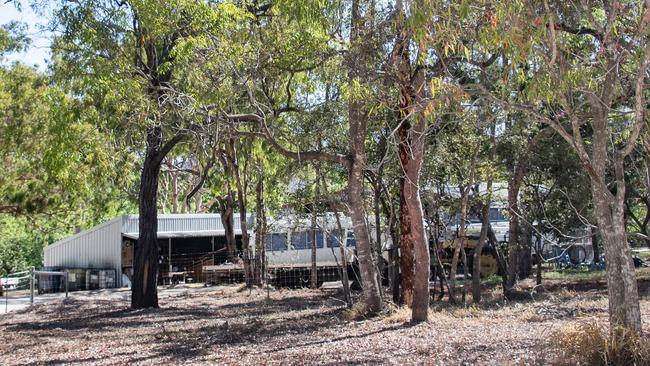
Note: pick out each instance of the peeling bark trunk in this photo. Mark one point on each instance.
(414, 247)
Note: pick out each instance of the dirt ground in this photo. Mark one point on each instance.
(224, 325)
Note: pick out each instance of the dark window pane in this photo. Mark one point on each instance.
(319, 239)
(276, 242)
(299, 240)
(352, 242)
(333, 238)
(496, 214)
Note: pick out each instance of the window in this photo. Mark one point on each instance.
(319, 239)
(276, 242)
(496, 214)
(334, 238)
(351, 242)
(302, 239)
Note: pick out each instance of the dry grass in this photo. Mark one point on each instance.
(397, 314)
(223, 325)
(591, 344)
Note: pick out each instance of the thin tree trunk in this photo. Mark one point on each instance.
(358, 67)
(241, 199)
(343, 264)
(460, 244)
(314, 216)
(478, 251)
(485, 221)
(174, 192)
(539, 246)
(379, 247)
(260, 232)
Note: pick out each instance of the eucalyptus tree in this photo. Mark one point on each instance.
(585, 68)
(121, 55)
(298, 54)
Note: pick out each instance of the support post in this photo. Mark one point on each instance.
(65, 277)
(31, 286)
(170, 260)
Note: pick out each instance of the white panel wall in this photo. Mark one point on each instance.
(98, 247)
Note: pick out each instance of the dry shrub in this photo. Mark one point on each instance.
(591, 344)
(398, 314)
(358, 311)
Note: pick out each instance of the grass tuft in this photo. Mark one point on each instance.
(591, 344)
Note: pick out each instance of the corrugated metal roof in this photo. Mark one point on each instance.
(174, 225)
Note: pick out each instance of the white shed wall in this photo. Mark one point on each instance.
(97, 247)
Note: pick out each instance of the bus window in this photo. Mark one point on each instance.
(351, 242)
(496, 214)
(334, 238)
(276, 242)
(300, 240)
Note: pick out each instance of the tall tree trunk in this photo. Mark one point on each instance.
(414, 247)
(241, 200)
(357, 214)
(144, 292)
(227, 208)
(595, 245)
(415, 267)
(623, 295)
(358, 68)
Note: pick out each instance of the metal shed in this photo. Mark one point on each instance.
(102, 246)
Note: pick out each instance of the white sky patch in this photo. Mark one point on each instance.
(38, 52)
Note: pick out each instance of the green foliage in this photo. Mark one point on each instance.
(54, 158)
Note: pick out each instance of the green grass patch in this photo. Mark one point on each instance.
(491, 280)
(575, 274)
(586, 274)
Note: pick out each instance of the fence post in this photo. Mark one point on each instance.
(31, 286)
(65, 276)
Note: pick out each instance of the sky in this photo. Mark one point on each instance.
(39, 50)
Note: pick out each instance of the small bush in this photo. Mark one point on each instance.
(358, 311)
(396, 314)
(591, 344)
